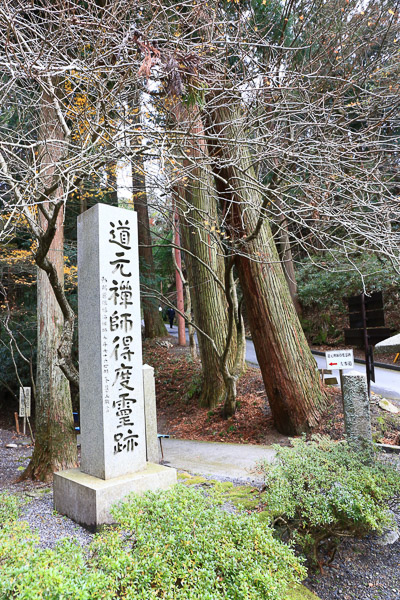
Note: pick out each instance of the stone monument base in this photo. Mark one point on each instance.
(87, 500)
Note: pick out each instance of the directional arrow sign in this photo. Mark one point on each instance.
(341, 359)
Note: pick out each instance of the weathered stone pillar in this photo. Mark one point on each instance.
(357, 418)
(150, 412)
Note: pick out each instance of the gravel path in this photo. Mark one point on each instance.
(363, 569)
(39, 512)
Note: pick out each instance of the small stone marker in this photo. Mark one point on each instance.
(357, 418)
(149, 388)
(112, 412)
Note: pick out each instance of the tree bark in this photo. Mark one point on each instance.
(55, 439)
(209, 309)
(197, 205)
(288, 368)
(285, 254)
(180, 302)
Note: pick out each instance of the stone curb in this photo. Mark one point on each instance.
(389, 448)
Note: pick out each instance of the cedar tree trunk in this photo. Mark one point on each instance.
(288, 368)
(197, 206)
(285, 254)
(55, 439)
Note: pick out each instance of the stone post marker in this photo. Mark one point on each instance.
(112, 413)
(357, 417)
(149, 386)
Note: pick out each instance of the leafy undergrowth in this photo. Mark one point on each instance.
(176, 544)
(178, 380)
(316, 494)
(321, 491)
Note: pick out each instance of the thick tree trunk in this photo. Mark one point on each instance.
(208, 302)
(285, 254)
(55, 439)
(287, 365)
(153, 323)
(197, 204)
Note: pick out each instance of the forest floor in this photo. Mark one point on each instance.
(178, 381)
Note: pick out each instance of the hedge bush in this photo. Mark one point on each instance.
(323, 490)
(177, 544)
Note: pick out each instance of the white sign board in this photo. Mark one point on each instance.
(24, 401)
(339, 359)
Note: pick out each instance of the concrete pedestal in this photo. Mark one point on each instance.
(87, 500)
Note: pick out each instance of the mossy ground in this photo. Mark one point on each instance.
(299, 592)
(243, 497)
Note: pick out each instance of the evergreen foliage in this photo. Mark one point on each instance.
(323, 490)
(177, 544)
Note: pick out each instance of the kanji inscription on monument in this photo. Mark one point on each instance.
(111, 390)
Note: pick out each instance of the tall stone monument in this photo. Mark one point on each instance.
(112, 413)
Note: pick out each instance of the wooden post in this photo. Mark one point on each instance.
(16, 422)
(179, 284)
(366, 345)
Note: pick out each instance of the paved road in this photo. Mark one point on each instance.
(387, 381)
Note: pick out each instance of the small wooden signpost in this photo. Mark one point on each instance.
(24, 405)
(341, 360)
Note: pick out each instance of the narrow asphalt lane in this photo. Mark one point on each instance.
(387, 382)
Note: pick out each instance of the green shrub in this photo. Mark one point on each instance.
(10, 507)
(325, 286)
(177, 544)
(184, 546)
(322, 490)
